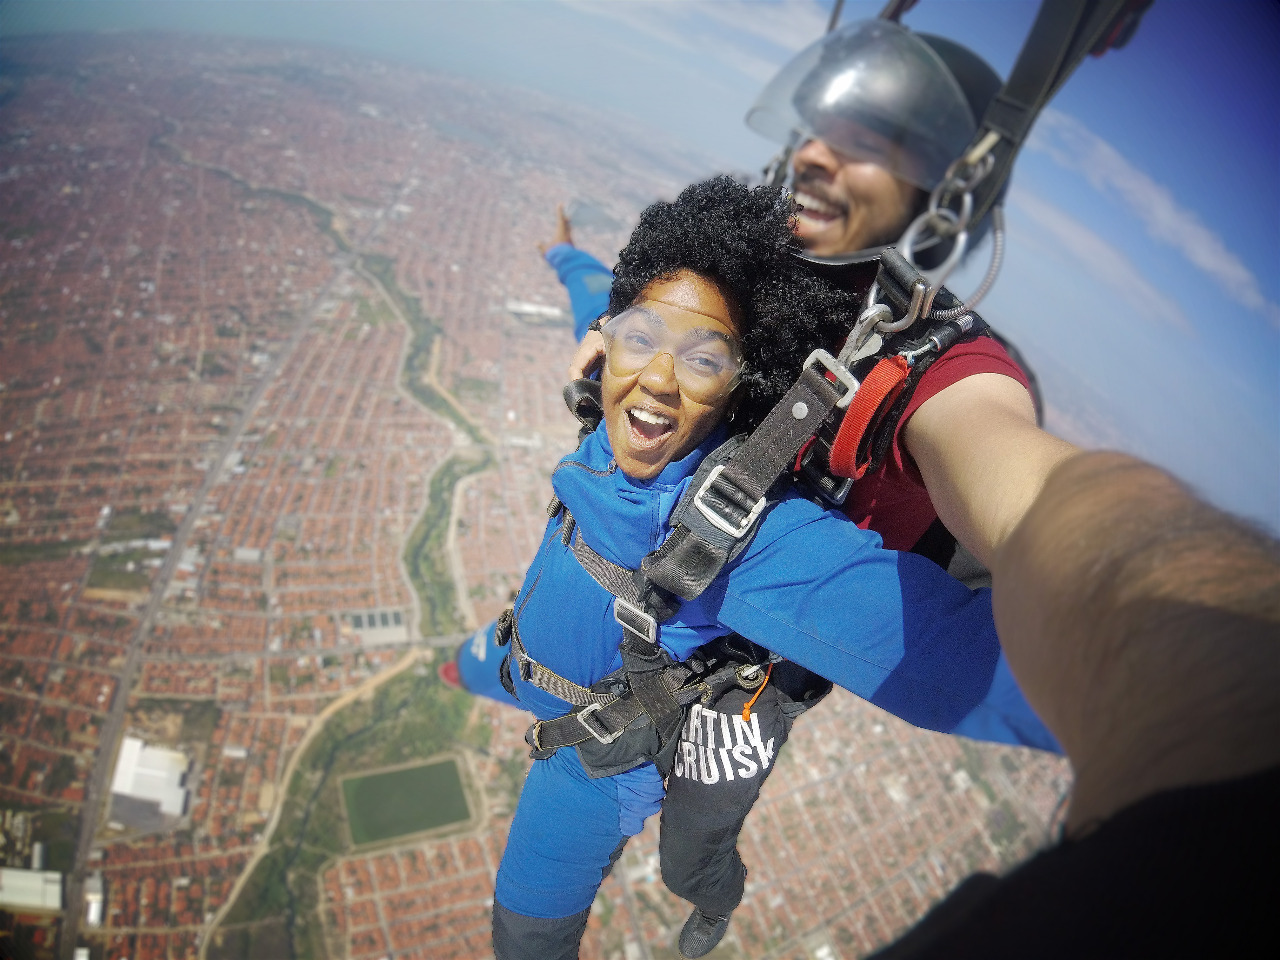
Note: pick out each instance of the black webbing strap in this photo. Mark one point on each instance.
(726, 504)
(544, 678)
(607, 722)
(1064, 32)
(647, 666)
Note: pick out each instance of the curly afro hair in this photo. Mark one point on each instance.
(740, 238)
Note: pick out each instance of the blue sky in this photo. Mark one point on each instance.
(1143, 276)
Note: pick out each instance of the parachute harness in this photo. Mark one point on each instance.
(833, 425)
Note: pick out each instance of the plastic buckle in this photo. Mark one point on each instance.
(598, 731)
(634, 614)
(738, 530)
(837, 370)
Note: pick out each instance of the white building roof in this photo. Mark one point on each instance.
(151, 773)
(30, 889)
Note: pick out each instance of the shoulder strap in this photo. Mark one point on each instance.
(718, 514)
(1064, 32)
(859, 442)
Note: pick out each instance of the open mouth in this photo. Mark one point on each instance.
(648, 427)
(816, 210)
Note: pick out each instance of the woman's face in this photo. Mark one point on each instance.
(671, 363)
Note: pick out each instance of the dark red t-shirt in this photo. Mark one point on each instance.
(893, 501)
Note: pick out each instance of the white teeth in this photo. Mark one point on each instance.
(812, 204)
(648, 416)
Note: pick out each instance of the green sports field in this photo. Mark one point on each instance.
(381, 806)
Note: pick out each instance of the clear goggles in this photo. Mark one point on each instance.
(708, 363)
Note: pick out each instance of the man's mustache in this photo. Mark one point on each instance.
(815, 187)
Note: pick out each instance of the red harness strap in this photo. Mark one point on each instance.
(851, 452)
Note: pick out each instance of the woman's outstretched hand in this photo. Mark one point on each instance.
(563, 234)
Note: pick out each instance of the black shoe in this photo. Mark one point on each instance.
(700, 934)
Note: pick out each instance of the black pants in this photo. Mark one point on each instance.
(517, 937)
(720, 766)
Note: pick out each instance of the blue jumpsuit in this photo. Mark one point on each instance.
(892, 628)
(587, 280)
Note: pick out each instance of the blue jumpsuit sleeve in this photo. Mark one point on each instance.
(587, 280)
(891, 627)
(479, 660)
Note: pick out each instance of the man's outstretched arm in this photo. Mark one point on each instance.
(1144, 627)
(982, 457)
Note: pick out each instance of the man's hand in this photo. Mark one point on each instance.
(982, 457)
(588, 356)
(563, 234)
(1142, 626)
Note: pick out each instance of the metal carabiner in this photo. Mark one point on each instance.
(960, 243)
(918, 291)
(868, 322)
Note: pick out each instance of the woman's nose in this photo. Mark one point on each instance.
(659, 376)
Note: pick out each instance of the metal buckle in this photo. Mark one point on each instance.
(836, 369)
(650, 631)
(737, 531)
(840, 494)
(868, 321)
(601, 734)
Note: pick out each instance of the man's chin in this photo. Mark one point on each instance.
(821, 240)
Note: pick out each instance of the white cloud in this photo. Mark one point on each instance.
(747, 36)
(1072, 145)
(1099, 259)
(791, 25)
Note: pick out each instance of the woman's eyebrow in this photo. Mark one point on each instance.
(702, 334)
(647, 314)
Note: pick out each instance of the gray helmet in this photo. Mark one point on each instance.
(876, 91)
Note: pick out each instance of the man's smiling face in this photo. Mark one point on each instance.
(691, 329)
(846, 204)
